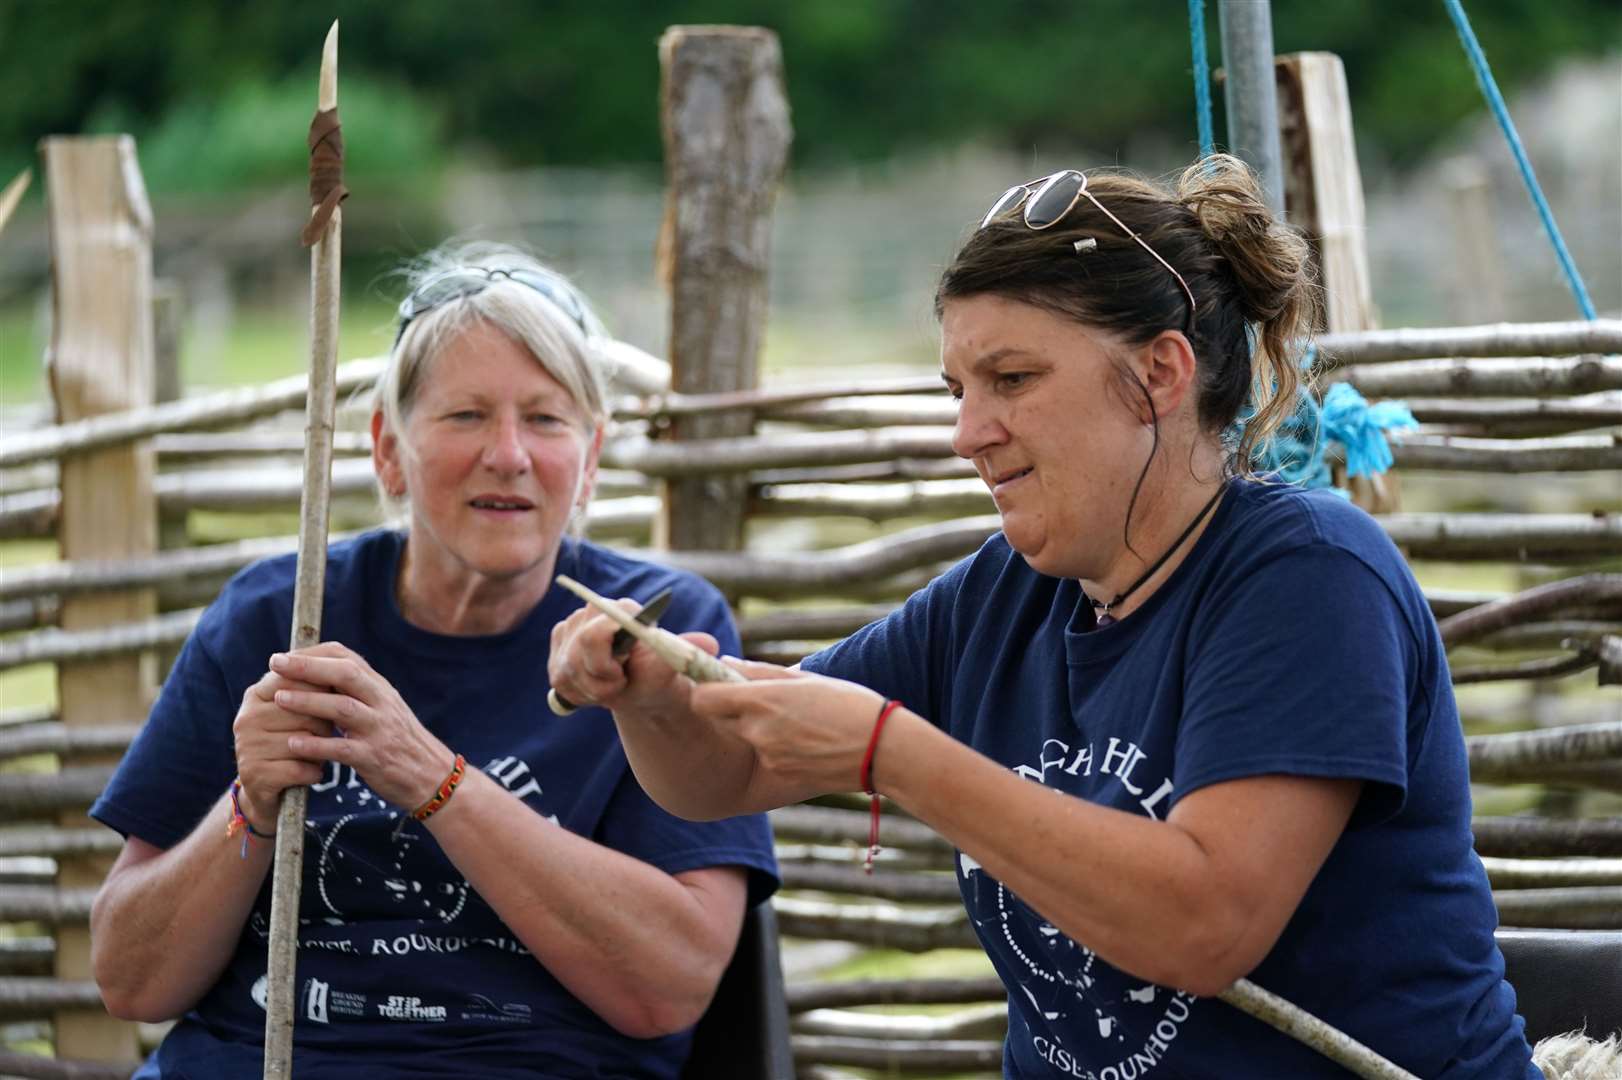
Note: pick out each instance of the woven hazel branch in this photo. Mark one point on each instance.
(684, 656)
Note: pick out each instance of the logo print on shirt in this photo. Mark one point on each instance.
(1088, 1015)
(344, 879)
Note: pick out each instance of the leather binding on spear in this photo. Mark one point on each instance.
(322, 236)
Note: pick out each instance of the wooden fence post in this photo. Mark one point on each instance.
(726, 134)
(1476, 286)
(1323, 196)
(100, 361)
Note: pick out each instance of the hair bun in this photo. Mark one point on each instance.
(1271, 262)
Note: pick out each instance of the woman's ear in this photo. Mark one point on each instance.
(588, 470)
(1168, 370)
(386, 457)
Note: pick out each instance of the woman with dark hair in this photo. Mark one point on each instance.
(487, 891)
(1183, 724)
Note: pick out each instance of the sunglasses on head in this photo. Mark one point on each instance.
(463, 282)
(1048, 200)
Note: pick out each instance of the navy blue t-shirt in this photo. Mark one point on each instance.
(403, 970)
(1294, 640)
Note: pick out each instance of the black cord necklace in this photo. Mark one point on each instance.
(1102, 607)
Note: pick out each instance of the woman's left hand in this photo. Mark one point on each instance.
(382, 739)
(809, 732)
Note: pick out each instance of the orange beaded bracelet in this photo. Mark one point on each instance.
(443, 795)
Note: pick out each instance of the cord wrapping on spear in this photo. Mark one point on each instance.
(327, 190)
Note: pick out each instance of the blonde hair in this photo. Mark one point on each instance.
(543, 321)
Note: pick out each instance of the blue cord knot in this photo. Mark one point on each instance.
(1298, 452)
(1359, 428)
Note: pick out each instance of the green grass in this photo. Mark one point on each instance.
(22, 379)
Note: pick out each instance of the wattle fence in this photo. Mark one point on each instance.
(746, 485)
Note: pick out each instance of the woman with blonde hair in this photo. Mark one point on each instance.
(487, 890)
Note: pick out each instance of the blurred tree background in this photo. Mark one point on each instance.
(538, 122)
(209, 87)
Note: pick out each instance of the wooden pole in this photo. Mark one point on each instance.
(1250, 93)
(312, 552)
(12, 195)
(1501, 339)
(100, 361)
(1475, 272)
(726, 134)
(1323, 185)
(1532, 377)
(1324, 196)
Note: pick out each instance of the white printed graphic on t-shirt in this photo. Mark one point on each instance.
(1127, 1026)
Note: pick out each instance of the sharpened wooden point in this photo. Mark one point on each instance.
(327, 93)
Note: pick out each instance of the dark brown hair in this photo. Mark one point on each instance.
(1249, 274)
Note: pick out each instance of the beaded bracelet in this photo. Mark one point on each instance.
(443, 795)
(866, 780)
(239, 822)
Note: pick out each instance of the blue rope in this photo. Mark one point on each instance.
(1299, 451)
(1202, 76)
(1495, 100)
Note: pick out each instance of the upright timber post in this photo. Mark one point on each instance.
(100, 361)
(1323, 185)
(1249, 94)
(1324, 199)
(726, 134)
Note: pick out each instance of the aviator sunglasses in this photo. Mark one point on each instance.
(463, 282)
(1049, 199)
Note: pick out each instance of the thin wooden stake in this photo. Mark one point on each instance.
(307, 597)
(13, 195)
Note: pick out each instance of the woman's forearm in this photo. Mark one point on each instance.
(1192, 903)
(640, 948)
(668, 747)
(165, 922)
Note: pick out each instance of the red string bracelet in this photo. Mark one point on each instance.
(867, 781)
(239, 822)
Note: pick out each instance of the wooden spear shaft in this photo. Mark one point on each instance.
(1244, 995)
(307, 597)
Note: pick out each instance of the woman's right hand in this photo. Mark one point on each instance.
(264, 764)
(584, 669)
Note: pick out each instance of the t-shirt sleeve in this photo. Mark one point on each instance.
(1307, 668)
(634, 824)
(182, 759)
